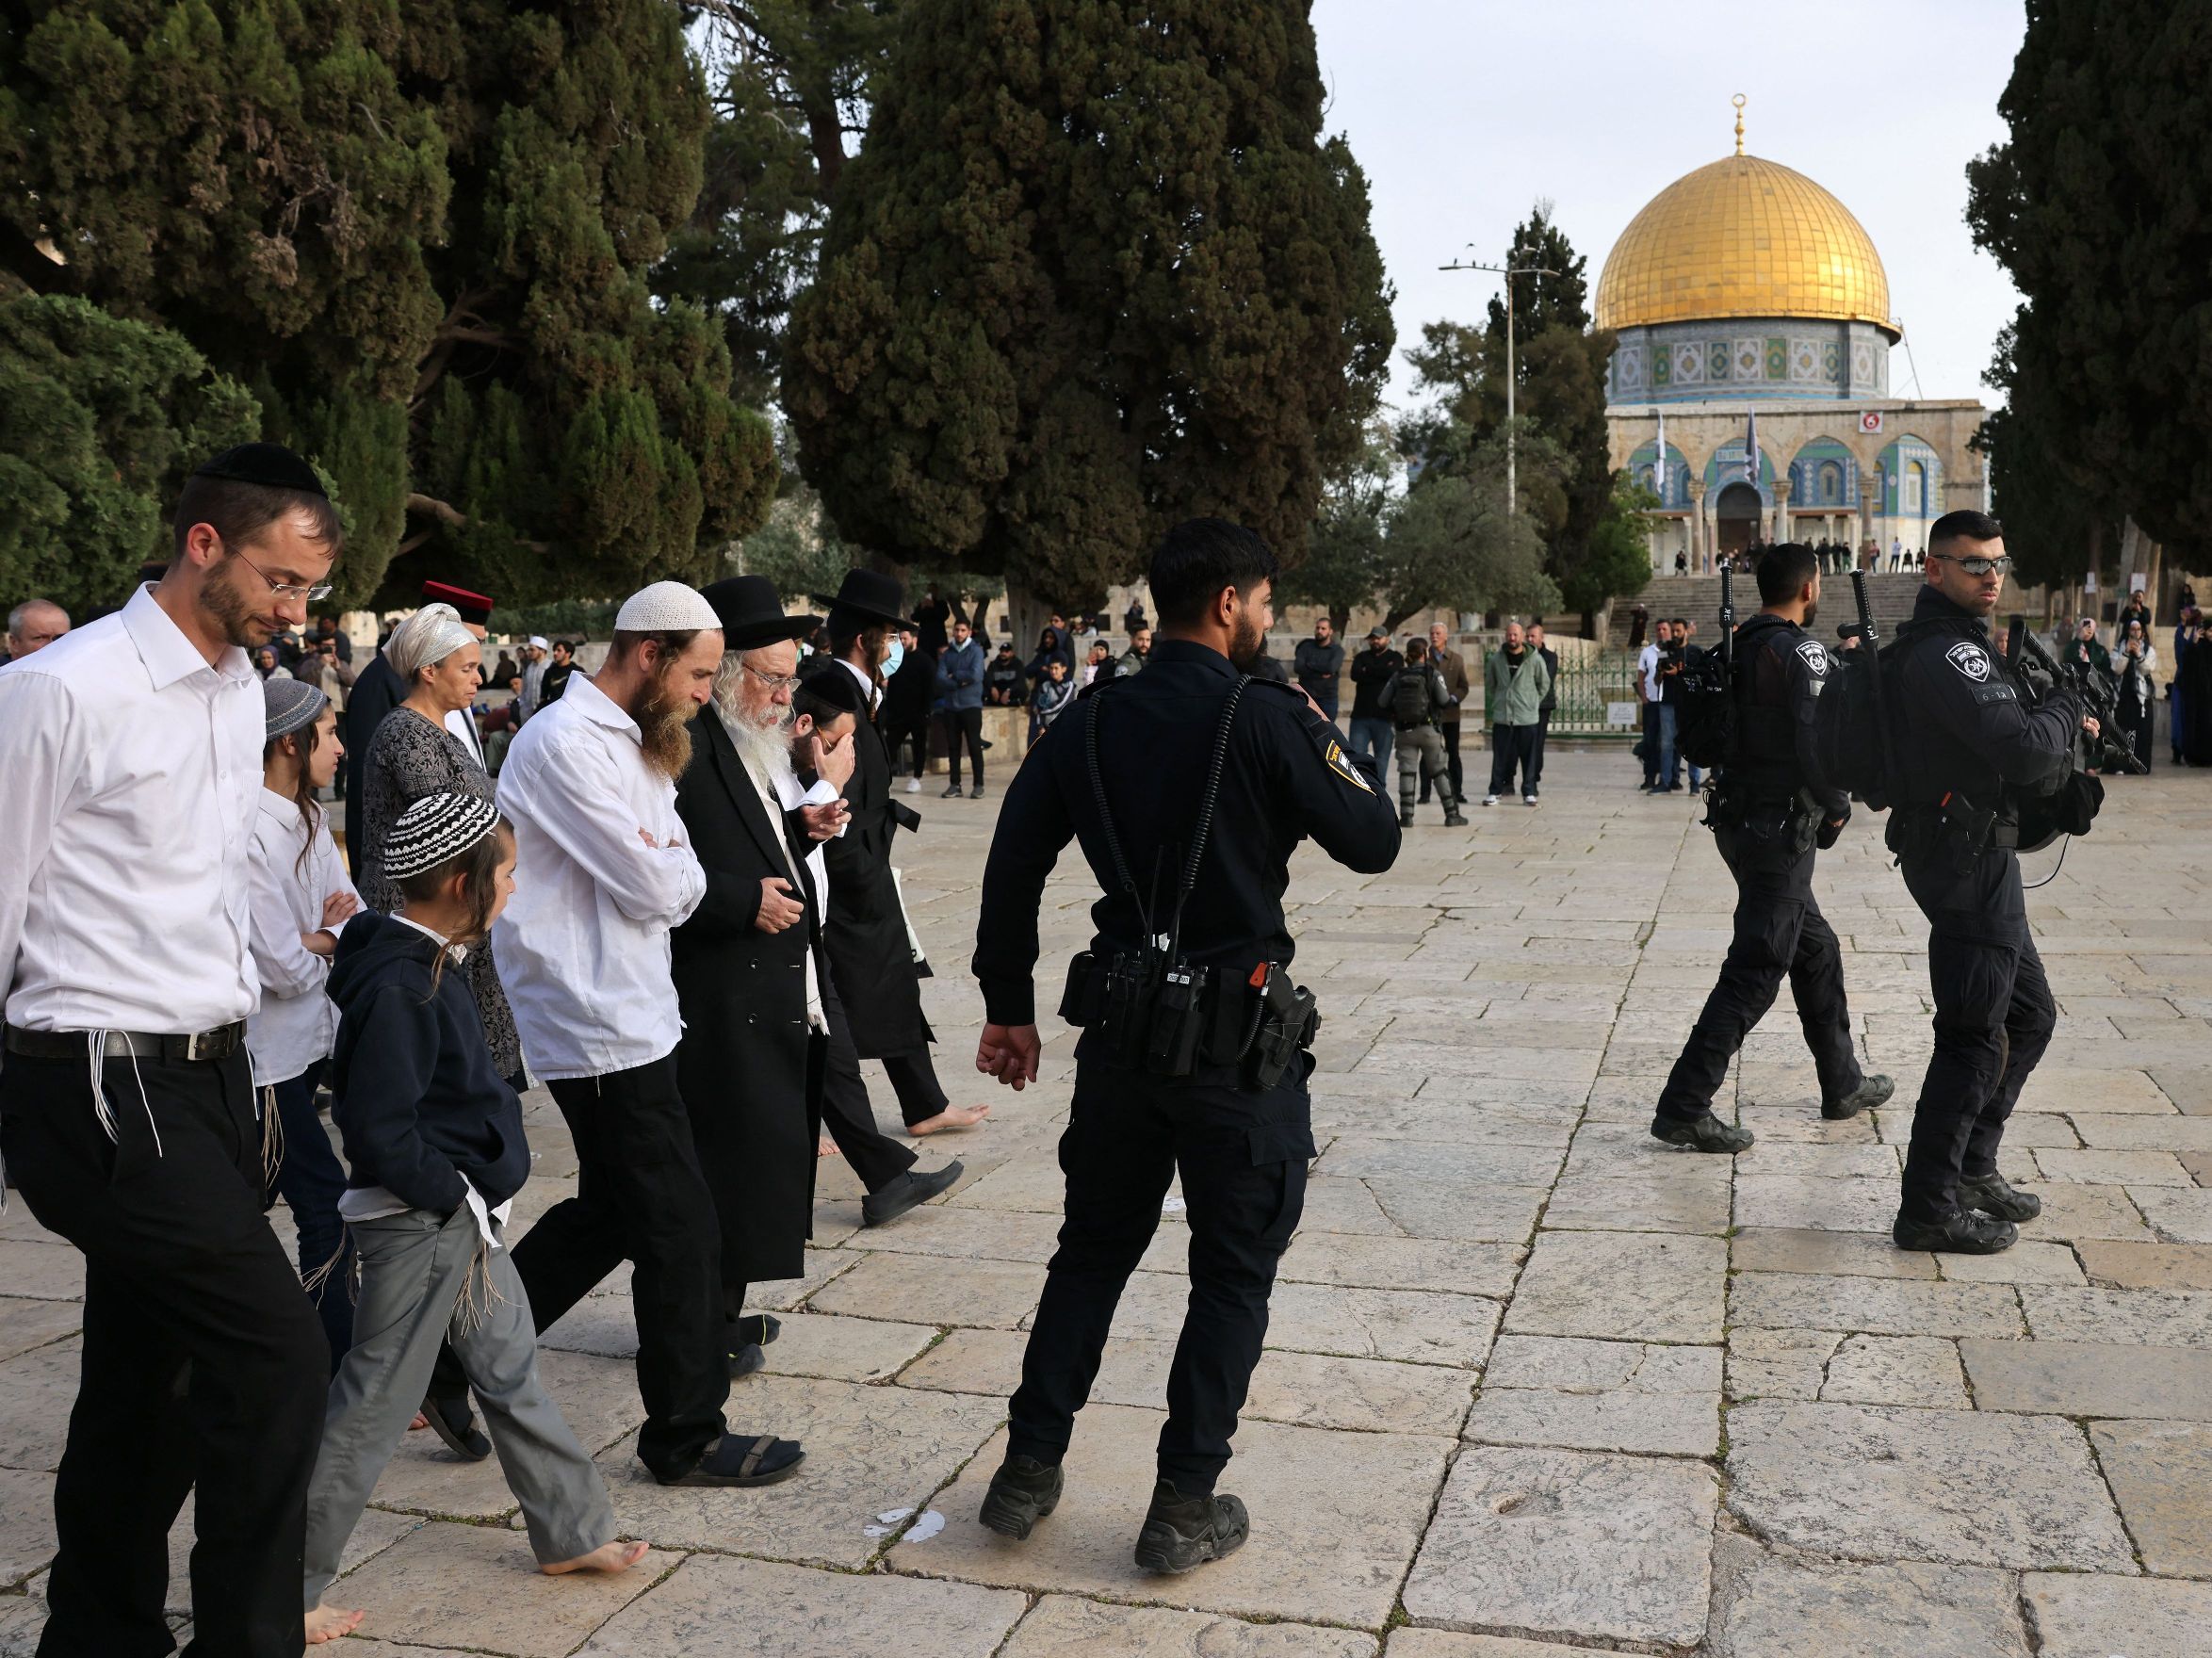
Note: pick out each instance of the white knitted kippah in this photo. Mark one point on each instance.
(666, 607)
(433, 829)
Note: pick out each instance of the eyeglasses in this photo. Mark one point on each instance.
(1975, 566)
(288, 590)
(774, 681)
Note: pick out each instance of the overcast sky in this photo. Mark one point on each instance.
(1464, 112)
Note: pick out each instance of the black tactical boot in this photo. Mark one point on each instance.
(1701, 1133)
(1022, 1493)
(1963, 1231)
(1183, 1532)
(1874, 1091)
(1994, 1195)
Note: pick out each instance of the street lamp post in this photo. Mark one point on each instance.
(1508, 272)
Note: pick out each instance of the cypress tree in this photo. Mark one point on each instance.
(422, 235)
(2095, 205)
(1095, 268)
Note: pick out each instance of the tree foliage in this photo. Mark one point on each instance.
(104, 418)
(2054, 528)
(1095, 270)
(790, 82)
(421, 236)
(1559, 394)
(1618, 561)
(2095, 205)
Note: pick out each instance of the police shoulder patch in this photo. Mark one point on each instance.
(1815, 655)
(1970, 660)
(1340, 763)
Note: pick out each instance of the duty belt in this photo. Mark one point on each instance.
(198, 1047)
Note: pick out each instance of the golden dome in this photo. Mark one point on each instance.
(1743, 238)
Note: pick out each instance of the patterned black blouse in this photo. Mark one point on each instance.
(408, 758)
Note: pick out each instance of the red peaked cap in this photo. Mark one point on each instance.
(471, 607)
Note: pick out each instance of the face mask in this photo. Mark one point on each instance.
(898, 655)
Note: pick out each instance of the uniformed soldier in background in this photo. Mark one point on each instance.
(1188, 789)
(1770, 810)
(1972, 755)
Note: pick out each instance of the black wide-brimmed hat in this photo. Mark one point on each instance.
(870, 595)
(752, 614)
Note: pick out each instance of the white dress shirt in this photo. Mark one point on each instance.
(1647, 671)
(130, 778)
(784, 793)
(461, 723)
(869, 689)
(297, 1022)
(582, 947)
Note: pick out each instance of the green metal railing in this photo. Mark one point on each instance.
(1591, 693)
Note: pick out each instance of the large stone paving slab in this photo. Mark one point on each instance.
(2161, 1472)
(1569, 1543)
(1773, 1605)
(2090, 1379)
(870, 1451)
(1063, 1626)
(720, 1608)
(1640, 1286)
(1889, 1483)
(1336, 1518)
(2084, 1616)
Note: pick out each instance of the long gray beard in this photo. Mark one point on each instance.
(765, 749)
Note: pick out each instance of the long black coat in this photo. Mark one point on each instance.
(866, 934)
(376, 692)
(750, 1077)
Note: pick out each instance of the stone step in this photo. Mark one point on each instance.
(1890, 595)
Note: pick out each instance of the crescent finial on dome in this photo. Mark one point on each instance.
(1739, 100)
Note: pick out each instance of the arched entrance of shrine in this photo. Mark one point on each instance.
(1737, 513)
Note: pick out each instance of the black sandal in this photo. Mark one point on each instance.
(735, 1461)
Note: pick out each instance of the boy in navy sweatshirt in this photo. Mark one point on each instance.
(435, 1141)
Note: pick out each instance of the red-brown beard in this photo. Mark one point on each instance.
(664, 726)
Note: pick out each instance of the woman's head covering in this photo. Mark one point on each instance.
(427, 637)
(436, 828)
(289, 706)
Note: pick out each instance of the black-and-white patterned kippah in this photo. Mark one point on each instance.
(433, 829)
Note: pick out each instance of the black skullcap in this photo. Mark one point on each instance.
(838, 688)
(270, 464)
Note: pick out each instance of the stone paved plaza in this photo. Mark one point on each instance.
(1535, 1384)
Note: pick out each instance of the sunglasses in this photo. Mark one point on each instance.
(1976, 566)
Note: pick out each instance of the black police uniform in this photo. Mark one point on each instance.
(1973, 738)
(1242, 1150)
(1767, 808)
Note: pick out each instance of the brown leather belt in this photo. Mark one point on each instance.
(201, 1046)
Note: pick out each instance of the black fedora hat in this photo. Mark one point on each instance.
(752, 613)
(870, 595)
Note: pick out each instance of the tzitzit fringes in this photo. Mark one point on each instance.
(476, 1307)
(272, 1138)
(316, 1282)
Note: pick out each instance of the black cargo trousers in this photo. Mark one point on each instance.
(1780, 933)
(1242, 1155)
(1993, 1018)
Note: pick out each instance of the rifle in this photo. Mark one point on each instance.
(1728, 629)
(1870, 644)
(2113, 748)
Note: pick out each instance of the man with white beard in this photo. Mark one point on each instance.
(753, 986)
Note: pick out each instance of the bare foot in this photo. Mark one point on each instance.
(327, 1623)
(608, 1557)
(420, 1421)
(952, 1116)
(825, 1147)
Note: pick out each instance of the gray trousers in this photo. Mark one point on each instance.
(1421, 749)
(415, 1293)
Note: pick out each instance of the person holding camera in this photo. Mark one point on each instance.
(1772, 810)
(1193, 1049)
(1982, 746)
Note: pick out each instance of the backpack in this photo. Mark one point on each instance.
(1847, 733)
(1409, 695)
(1705, 720)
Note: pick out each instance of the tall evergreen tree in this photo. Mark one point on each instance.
(421, 236)
(1559, 394)
(104, 417)
(1095, 268)
(2095, 205)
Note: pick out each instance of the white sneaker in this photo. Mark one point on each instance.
(1489, 800)
(913, 786)
(1528, 800)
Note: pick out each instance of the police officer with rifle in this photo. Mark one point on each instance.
(1769, 811)
(1984, 766)
(1188, 787)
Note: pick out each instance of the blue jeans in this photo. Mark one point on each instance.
(1666, 763)
(1374, 738)
(311, 1179)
